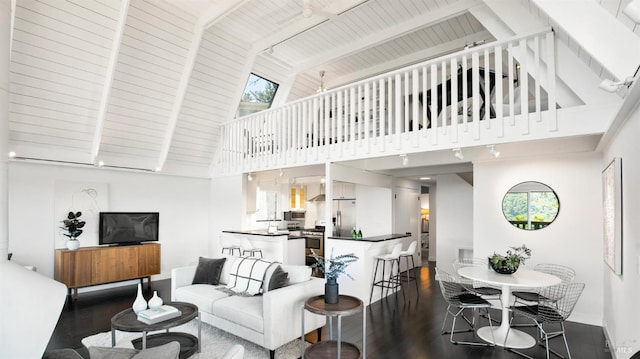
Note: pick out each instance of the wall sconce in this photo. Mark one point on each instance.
(458, 153)
(613, 86)
(492, 151)
(405, 159)
(249, 176)
(632, 10)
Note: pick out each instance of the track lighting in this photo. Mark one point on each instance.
(492, 151)
(405, 159)
(613, 86)
(249, 176)
(458, 153)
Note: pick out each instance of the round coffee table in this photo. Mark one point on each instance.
(127, 321)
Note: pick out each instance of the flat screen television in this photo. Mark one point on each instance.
(128, 228)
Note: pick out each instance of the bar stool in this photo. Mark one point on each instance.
(228, 244)
(394, 279)
(409, 254)
(246, 246)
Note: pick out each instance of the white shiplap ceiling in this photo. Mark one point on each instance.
(145, 84)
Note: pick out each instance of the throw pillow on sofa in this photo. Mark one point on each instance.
(208, 271)
(279, 279)
(246, 276)
(170, 350)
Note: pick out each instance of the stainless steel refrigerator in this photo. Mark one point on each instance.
(344, 217)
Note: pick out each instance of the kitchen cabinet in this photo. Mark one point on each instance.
(344, 190)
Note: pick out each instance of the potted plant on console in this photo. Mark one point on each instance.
(332, 268)
(509, 263)
(73, 226)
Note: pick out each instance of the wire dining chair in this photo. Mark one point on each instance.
(552, 309)
(459, 299)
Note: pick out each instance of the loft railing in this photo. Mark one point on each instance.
(464, 99)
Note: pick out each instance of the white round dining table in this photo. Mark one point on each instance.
(522, 278)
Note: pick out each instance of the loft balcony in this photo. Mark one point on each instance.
(496, 93)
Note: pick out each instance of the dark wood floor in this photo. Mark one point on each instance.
(396, 327)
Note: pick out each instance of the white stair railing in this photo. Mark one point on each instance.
(463, 99)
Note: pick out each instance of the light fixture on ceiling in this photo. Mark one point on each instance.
(425, 178)
(632, 10)
(249, 176)
(474, 44)
(158, 169)
(405, 159)
(281, 173)
(613, 86)
(458, 153)
(100, 164)
(12, 154)
(321, 88)
(492, 151)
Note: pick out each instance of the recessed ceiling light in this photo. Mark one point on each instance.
(12, 154)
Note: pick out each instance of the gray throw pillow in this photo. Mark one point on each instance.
(170, 350)
(208, 271)
(279, 279)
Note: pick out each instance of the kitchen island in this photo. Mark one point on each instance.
(362, 270)
(276, 247)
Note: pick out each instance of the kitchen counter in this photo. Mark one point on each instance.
(382, 238)
(366, 249)
(276, 247)
(259, 232)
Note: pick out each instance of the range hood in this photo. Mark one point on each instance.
(320, 197)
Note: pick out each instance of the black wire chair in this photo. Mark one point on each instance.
(459, 299)
(554, 307)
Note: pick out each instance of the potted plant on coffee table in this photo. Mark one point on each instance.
(73, 227)
(509, 263)
(332, 268)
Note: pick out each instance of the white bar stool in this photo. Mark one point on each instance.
(409, 254)
(394, 279)
(246, 246)
(227, 243)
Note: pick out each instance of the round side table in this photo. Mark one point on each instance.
(347, 305)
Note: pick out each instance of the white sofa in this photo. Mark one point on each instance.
(270, 320)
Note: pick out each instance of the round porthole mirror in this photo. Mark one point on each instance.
(530, 205)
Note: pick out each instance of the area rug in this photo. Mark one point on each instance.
(215, 343)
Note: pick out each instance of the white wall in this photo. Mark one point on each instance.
(455, 217)
(183, 203)
(373, 210)
(227, 208)
(573, 239)
(621, 293)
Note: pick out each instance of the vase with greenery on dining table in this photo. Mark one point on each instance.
(509, 262)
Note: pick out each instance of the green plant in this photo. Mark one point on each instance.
(512, 260)
(333, 267)
(73, 225)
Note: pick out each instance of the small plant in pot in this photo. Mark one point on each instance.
(73, 227)
(509, 263)
(332, 268)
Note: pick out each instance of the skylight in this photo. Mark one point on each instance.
(257, 96)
